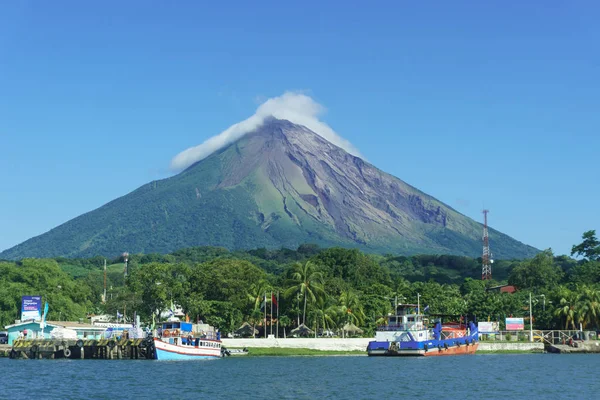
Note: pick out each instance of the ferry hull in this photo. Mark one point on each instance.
(166, 351)
(452, 351)
(387, 349)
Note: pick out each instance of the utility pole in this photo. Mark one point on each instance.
(486, 259)
(125, 256)
(544, 297)
(530, 320)
(104, 295)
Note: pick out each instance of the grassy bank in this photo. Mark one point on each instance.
(278, 351)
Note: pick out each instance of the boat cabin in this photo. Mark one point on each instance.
(407, 318)
(185, 333)
(175, 329)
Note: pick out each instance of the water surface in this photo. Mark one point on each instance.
(502, 376)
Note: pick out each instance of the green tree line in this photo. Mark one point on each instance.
(322, 288)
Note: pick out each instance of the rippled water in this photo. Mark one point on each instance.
(504, 376)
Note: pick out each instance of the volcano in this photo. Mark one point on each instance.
(280, 185)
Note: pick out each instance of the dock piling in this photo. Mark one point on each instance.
(92, 349)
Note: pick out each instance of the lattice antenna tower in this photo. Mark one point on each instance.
(486, 269)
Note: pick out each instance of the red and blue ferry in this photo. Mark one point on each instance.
(406, 334)
(180, 341)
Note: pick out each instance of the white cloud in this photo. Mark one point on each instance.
(294, 107)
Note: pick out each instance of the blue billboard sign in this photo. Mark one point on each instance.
(515, 324)
(31, 307)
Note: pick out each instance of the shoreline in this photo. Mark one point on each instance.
(353, 347)
(339, 347)
(295, 352)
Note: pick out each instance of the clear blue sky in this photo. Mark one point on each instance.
(477, 103)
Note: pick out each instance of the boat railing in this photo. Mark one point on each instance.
(206, 335)
(172, 333)
(539, 336)
(402, 327)
(453, 334)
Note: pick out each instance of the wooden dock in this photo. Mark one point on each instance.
(102, 349)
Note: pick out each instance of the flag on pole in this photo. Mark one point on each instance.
(271, 322)
(172, 309)
(43, 321)
(119, 315)
(274, 300)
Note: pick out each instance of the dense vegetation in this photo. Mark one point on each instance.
(324, 288)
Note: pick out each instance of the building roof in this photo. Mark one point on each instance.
(76, 325)
(27, 323)
(64, 324)
(504, 288)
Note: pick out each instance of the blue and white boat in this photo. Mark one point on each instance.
(184, 341)
(406, 334)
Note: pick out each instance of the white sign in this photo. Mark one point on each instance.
(113, 325)
(488, 327)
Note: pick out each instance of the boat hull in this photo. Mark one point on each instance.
(452, 351)
(167, 351)
(387, 349)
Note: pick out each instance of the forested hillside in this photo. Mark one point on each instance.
(279, 186)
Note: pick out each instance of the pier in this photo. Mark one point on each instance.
(583, 346)
(102, 349)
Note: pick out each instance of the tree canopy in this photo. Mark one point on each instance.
(322, 288)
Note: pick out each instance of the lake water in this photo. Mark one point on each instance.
(512, 376)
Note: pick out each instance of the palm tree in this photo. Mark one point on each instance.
(256, 316)
(566, 308)
(352, 307)
(326, 313)
(284, 321)
(308, 282)
(315, 315)
(256, 294)
(588, 306)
